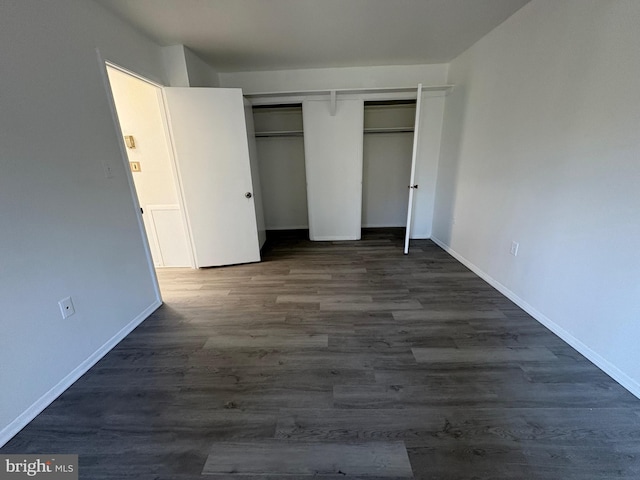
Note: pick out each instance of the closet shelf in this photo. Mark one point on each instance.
(425, 88)
(389, 130)
(289, 133)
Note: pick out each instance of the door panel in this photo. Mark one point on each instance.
(412, 186)
(209, 138)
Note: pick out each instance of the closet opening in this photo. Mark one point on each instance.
(280, 147)
(387, 152)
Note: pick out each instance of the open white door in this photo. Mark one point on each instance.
(209, 139)
(412, 185)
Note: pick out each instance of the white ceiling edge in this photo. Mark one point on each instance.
(256, 35)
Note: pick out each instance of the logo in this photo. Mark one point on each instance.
(49, 467)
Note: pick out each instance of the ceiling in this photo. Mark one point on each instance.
(245, 35)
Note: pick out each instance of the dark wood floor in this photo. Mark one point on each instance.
(341, 361)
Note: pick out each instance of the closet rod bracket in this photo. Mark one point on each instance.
(334, 102)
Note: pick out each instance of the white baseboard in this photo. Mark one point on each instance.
(8, 432)
(383, 226)
(333, 239)
(602, 363)
(289, 227)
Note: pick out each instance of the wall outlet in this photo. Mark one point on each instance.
(66, 307)
(514, 248)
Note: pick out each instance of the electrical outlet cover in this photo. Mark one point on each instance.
(66, 307)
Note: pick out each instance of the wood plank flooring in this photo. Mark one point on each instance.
(341, 360)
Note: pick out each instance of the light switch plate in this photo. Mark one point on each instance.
(135, 166)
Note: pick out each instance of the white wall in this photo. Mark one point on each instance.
(372, 77)
(185, 69)
(385, 178)
(282, 172)
(200, 73)
(333, 164)
(541, 146)
(67, 229)
(175, 64)
(284, 183)
(140, 115)
(386, 165)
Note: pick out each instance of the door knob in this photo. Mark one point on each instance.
(248, 195)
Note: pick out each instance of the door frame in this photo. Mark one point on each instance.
(103, 64)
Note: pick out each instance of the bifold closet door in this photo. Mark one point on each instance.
(333, 160)
(209, 136)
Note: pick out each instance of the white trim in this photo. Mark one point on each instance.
(289, 227)
(22, 420)
(351, 91)
(386, 225)
(158, 206)
(296, 98)
(131, 74)
(602, 363)
(333, 239)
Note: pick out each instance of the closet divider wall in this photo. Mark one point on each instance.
(333, 157)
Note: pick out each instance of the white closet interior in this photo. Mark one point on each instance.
(280, 147)
(387, 149)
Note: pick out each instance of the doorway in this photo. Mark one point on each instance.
(140, 112)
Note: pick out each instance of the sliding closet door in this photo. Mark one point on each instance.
(333, 159)
(209, 136)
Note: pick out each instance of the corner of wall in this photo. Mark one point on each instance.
(175, 65)
(8, 432)
(199, 72)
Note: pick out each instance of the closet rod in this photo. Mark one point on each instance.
(389, 130)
